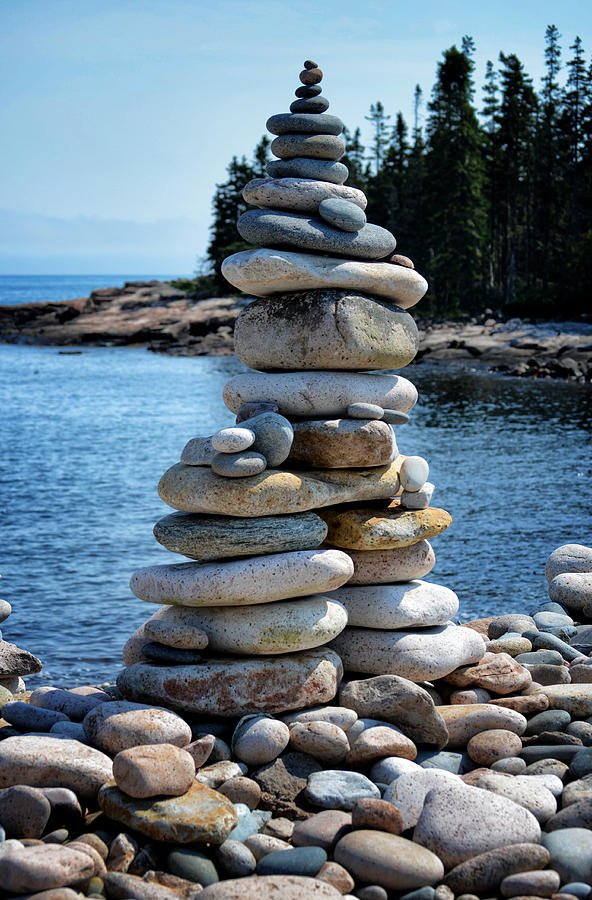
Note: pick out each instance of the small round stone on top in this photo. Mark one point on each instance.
(342, 214)
(311, 76)
(309, 64)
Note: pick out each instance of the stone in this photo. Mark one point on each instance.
(338, 789)
(364, 411)
(414, 473)
(273, 437)
(575, 815)
(242, 790)
(581, 764)
(545, 752)
(259, 739)
(323, 829)
(14, 661)
(408, 792)
(320, 393)
(120, 725)
(465, 721)
(161, 653)
(257, 580)
(545, 641)
(414, 604)
(175, 630)
(200, 815)
(550, 720)
(295, 861)
(262, 844)
(331, 328)
(121, 853)
(43, 866)
(313, 104)
(323, 740)
(199, 451)
(232, 439)
(470, 695)
(74, 703)
(390, 566)
(217, 537)
(295, 195)
(509, 765)
(575, 698)
(372, 529)
(513, 644)
(304, 167)
(255, 408)
(275, 228)
(490, 746)
(577, 889)
(193, 865)
(458, 822)
(236, 859)
(514, 622)
(336, 875)
(524, 791)
(308, 146)
(378, 814)
(336, 715)
(388, 770)
(420, 499)
(342, 214)
(155, 886)
(483, 873)
(24, 811)
(311, 74)
(545, 674)
(343, 443)
(234, 687)
(570, 850)
(400, 702)
(270, 887)
(29, 718)
(380, 741)
(5, 610)
(388, 860)
(572, 589)
(238, 465)
(577, 790)
(568, 558)
(538, 883)
(536, 657)
(415, 655)
(262, 272)
(151, 770)
(284, 123)
(44, 761)
(218, 773)
(395, 417)
(498, 673)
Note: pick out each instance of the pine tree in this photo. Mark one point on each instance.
(489, 114)
(411, 235)
(380, 141)
(354, 158)
(548, 188)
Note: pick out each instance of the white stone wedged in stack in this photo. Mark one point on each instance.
(416, 604)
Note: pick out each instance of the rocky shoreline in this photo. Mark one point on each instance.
(168, 320)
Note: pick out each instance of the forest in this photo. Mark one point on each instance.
(491, 197)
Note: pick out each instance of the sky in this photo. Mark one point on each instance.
(119, 117)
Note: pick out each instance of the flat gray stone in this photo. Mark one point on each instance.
(483, 873)
(238, 465)
(313, 104)
(280, 229)
(298, 194)
(338, 789)
(303, 123)
(14, 661)
(310, 146)
(571, 853)
(342, 214)
(318, 169)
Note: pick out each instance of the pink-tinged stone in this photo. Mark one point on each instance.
(154, 769)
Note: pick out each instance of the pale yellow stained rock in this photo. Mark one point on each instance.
(372, 529)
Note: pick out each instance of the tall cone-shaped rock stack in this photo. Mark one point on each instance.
(307, 530)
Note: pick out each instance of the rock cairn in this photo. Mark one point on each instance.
(15, 664)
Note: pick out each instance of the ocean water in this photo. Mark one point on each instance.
(86, 436)
(51, 288)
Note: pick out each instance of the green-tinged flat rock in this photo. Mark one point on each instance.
(199, 816)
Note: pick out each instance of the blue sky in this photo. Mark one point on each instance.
(118, 117)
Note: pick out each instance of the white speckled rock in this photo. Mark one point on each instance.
(42, 867)
(420, 499)
(175, 626)
(411, 605)
(119, 725)
(390, 566)
(463, 721)
(523, 790)
(568, 558)
(387, 860)
(198, 452)
(415, 655)
(458, 822)
(297, 194)
(320, 393)
(414, 473)
(385, 771)
(262, 272)
(323, 740)
(258, 579)
(271, 887)
(259, 739)
(336, 715)
(573, 590)
(233, 439)
(46, 761)
(409, 791)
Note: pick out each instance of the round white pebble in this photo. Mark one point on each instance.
(414, 473)
(233, 440)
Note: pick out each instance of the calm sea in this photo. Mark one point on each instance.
(50, 288)
(86, 436)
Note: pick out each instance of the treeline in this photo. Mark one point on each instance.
(493, 204)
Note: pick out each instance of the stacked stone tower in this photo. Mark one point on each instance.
(307, 491)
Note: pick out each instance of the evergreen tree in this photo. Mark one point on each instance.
(548, 170)
(380, 140)
(489, 114)
(411, 235)
(354, 158)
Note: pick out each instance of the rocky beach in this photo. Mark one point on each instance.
(301, 715)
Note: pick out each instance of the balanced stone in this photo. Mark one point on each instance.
(234, 687)
(173, 627)
(273, 437)
(395, 417)
(311, 74)
(238, 465)
(278, 229)
(336, 329)
(217, 537)
(414, 473)
(343, 443)
(196, 489)
(284, 123)
(420, 655)
(201, 815)
(232, 440)
(163, 653)
(250, 410)
(415, 604)
(262, 272)
(364, 411)
(259, 579)
(342, 214)
(389, 566)
(303, 167)
(371, 529)
(14, 661)
(308, 90)
(198, 452)
(420, 499)
(320, 393)
(296, 195)
(310, 146)
(573, 590)
(266, 628)
(309, 104)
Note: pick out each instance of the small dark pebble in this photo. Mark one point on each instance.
(372, 892)
(169, 655)
(314, 105)
(422, 893)
(193, 865)
(309, 64)
(304, 861)
(59, 836)
(308, 90)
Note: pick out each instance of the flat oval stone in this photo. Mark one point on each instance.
(173, 627)
(119, 725)
(303, 167)
(483, 873)
(525, 790)
(364, 411)
(463, 721)
(259, 739)
(232, 439)
(199, 816)
(295, 195)
(271, 887)
(408, 792)
(308, 90)
(235, 687)
(260, 579)
(573, 590)
(238, 465)
(262, 272)
(323, 829)
(30, 718)
(338, 789)
(389, 566)
(14, 661)
(388, 860)
(571, 853)
(337, 715)
(295, 861)
(319, 393)
(414, 604)
(153, 770)
(493, 745)
(301, 123)
(395, 416)
(541, 883)
(217, 537)
(265, 228)
(371, 529)
(415, 655)
(338, 329)
(342, 214)
(162, 653)
(343, 443)
(313, 104)
(196, 489)
(269, 628)
(42, 867)
(323, 740)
